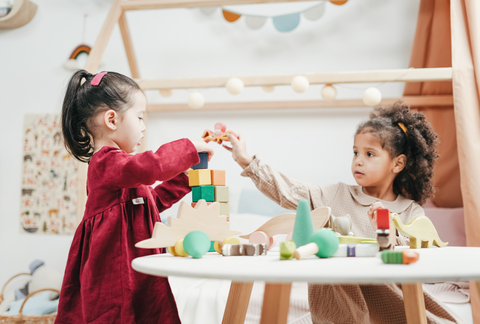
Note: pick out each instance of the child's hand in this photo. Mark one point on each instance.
(372, 216)
(201, 146)
(239, 150)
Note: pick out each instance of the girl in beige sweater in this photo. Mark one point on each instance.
(393, 157)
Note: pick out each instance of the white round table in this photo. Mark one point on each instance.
(435, 264)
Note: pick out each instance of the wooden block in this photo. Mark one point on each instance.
(225, 209)
(206, 193)
(195, 203)
(218, 177)
(203, 164)
(383, 218)
(244, 249)
(199, 177)
(222, 194)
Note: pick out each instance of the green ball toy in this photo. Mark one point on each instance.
(327, 242)
(196, 243)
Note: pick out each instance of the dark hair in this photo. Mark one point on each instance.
(84, 101)
(419, 145)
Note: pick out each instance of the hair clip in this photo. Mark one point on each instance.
(404, 129)
(97, 78)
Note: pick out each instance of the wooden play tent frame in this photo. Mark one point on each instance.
(275, 294)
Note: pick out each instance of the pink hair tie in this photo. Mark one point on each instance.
(97, 78)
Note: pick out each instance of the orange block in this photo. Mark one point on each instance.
(218, 177)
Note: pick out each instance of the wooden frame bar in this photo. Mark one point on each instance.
(400, 75)
(169, 4)
(417, 101)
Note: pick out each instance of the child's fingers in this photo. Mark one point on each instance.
(228, 148)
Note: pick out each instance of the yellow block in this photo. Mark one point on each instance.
(199, 177)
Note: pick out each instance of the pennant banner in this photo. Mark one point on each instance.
(285, 16)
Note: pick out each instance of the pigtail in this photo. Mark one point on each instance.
(417, 140)
(77, 138)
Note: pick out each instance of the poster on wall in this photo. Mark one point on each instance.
(49, 179)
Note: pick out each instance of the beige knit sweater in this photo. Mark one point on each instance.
(354, 304)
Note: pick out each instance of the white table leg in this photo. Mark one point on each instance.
(276, 302)
(237, 302)
(414, 303)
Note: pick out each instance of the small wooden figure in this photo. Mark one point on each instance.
(421, 231)
(287, 249)
(342, 225)
(201, 218)
(324, 244)
(384, 230)
(218, 135)
(400, 257)
(303, 228)
(244, 249)
(203, 164)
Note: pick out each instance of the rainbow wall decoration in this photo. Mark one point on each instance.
(72, 63)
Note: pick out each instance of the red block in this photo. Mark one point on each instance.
(383, 218)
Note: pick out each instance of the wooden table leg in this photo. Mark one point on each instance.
(414, 303)
(237, 302)
(276, 302)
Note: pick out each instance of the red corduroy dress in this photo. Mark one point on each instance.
(100, 285)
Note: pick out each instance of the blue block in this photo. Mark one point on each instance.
(203, 161)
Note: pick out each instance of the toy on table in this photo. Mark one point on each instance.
(421, 231)
(209, 185)
(400, 257)
(324, 244)
(196, 244)
(287, 249)
(303, 228)
(203, 217)
(229, 240)
(356, 250)
(347, 239)
(219, 134)
(284, 224)
(342, 225)
(385, 234)
(244, 249)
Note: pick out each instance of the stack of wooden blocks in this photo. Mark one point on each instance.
(209, 185)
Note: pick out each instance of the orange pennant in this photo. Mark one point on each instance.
(230, 16)
(338, 2)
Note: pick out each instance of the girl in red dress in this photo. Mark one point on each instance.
(102, 122)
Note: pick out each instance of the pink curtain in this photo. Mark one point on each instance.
(432, 48)
(465, 24)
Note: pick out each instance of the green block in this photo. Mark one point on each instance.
(212, 246)
(203, 192)
(221, 194)
(287, 249)
(392, 257)
(303, 228)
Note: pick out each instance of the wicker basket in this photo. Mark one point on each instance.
(26, 319)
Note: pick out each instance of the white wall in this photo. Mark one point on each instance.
(312, 145)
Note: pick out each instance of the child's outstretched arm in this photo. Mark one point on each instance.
(239, 150)
(285, 191)
(121, 170)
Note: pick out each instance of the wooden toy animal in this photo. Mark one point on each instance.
(283, 224)
(421, 231)
(342, 225)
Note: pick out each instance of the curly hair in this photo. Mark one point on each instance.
(419, 144)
